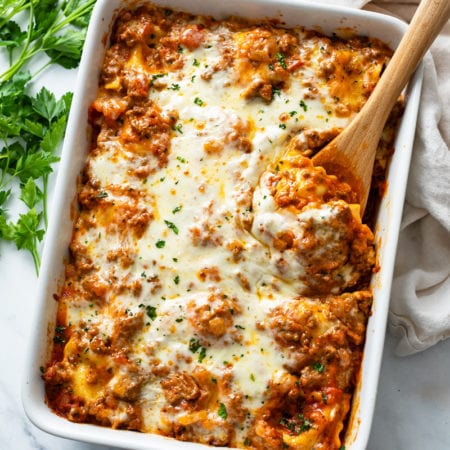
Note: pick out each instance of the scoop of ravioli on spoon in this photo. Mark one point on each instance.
(351, 155)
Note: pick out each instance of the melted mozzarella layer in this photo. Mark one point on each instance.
(204, 271)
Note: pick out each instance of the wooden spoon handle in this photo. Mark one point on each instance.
(430, 17)
(351, 154)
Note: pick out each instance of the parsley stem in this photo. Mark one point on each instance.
(35, 74)
(36, 258)
(7, 16)
(26, 45)
(44, 199)
(79, 12)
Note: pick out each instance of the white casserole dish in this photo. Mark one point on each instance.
(291, 12)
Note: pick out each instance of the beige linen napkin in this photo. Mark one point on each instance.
(420, 301)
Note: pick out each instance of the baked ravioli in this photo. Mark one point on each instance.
(217, 283)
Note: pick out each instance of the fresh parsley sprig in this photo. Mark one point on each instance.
(53, 28)
(31, 129)
(33, 126)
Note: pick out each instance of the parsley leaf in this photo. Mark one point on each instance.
(318, 367)
(4, 195)
(281, 60)
(34, 165)
(171, 226)
(222, 412)
(194, 345)
(44, 16)
(54, 135)
(30, 193)
(160, 243)
(25, 233)
(66, 50)
(11, 36)
(45, 105)
(12, 88)
(202, 354)
(151, 312)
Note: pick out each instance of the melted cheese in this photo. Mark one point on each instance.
(190, 236)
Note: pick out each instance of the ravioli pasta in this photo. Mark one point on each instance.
(216, 288)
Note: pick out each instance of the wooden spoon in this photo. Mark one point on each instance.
(351, 155)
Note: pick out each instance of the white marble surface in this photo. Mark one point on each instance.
(413, 403)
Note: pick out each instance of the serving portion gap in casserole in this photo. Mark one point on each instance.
(217, 287)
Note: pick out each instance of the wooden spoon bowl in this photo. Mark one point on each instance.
(350, 156)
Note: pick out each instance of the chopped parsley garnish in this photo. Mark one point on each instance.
(306, 423)
(222, 412)
(282, 126)
(151, 311)
(293, 425)
(318, 367)
(196, 62)
(281, 60)
(174, 87)
(202, 354)
(195, 346)
(181, 159)
(286, 423)
(102, 194)
(160, 243)
(198, 101)
(59, 340)
(293, 113)
(303, 105)
(156, 76)
(178, 127)
(275, 91)
(176, 280)
(171, 226)
(177, 209)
